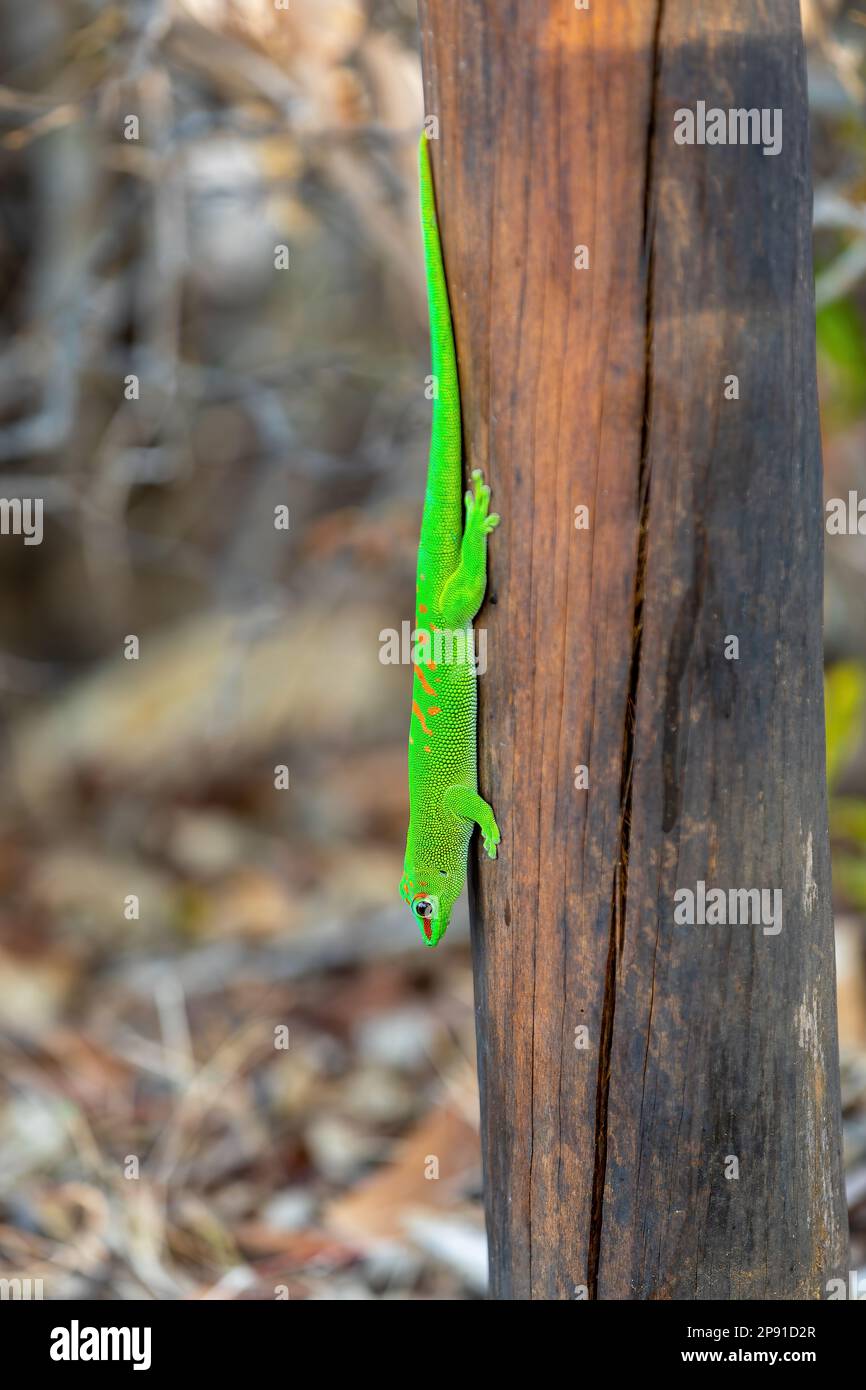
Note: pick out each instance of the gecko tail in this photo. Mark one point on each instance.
(444, 475)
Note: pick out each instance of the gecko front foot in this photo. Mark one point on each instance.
(463, 801)
(478, 514)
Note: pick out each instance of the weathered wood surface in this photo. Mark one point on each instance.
(605, 1166)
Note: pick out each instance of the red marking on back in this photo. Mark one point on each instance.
(422, 608)
(424, 681)
(416, 711)
(434, 709)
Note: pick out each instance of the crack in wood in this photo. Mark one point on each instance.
(619, 891)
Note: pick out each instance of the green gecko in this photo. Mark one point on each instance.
(444, 805)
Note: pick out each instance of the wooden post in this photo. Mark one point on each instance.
(635, 330)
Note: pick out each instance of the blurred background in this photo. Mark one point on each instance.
(229, 1070)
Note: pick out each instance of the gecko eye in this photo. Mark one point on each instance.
(424, 907)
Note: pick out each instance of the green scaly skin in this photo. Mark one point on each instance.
(444, 805)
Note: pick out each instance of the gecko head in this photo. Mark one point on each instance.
(431, 907)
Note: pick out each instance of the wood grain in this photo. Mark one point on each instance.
(605, 1165)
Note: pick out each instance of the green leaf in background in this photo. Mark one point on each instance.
(849, 875)
(848, 819)
(844, 704)
(842, 355)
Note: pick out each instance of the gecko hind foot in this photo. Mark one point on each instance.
(490, 839)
